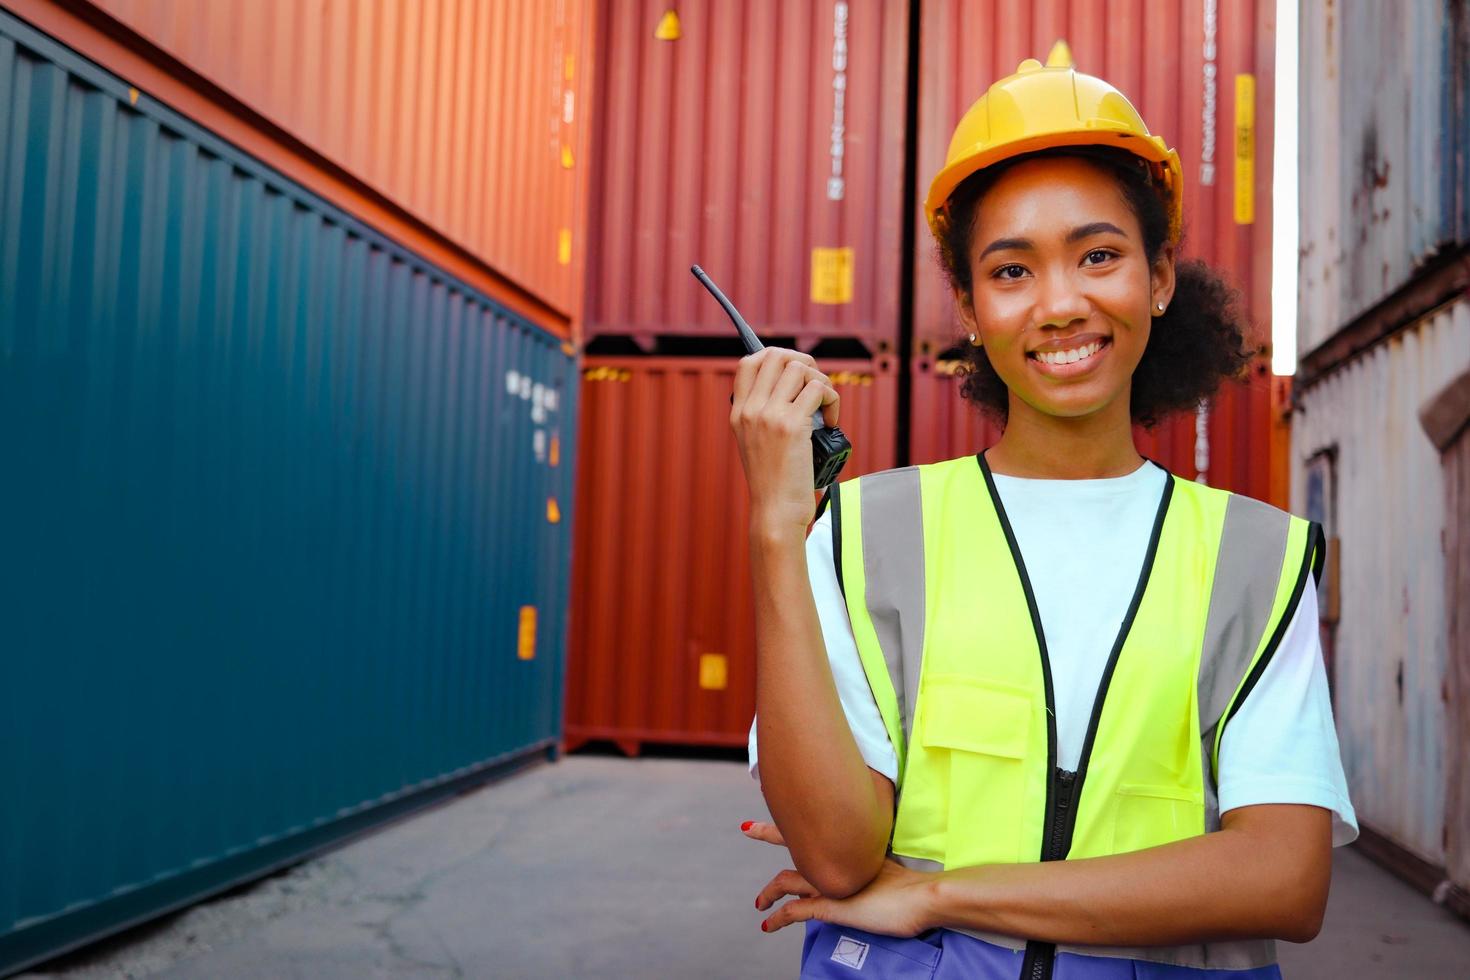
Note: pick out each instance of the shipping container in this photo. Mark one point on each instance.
(285, 551)
(1200, 73)
(1229, 445)
(764, 141)
(1363, 464)
(662, 644)
(464, 118)
(1385, 152)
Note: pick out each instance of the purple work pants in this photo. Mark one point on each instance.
(840, 953)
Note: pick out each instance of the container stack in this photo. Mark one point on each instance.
(764, 142)
(288, 371)
(1201, 75)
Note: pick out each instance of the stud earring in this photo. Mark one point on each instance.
(1160, 307)
(975, 340)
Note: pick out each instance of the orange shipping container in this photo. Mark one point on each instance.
(465, 114)
(662, 646)
(764, 141)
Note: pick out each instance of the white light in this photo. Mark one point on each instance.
(1284, 214)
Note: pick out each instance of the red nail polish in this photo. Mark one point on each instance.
(757, 903)
(763, 928)
(746, 826)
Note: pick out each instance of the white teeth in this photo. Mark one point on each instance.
(1069, 356)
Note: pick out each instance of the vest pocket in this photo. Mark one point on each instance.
(979, 736)
(1151, 814)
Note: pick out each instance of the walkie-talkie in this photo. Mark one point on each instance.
(830, 447)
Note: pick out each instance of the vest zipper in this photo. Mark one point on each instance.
(1040, 957)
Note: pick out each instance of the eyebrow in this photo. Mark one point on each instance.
(1075, 235)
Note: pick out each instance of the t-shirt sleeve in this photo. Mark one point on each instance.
(1281, 747)
(842, 654)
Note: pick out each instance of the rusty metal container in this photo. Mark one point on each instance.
(1229, 446)
(1363, 464)
(1202, 75)
(661, 645)
(764, 141)
(466, 115)
(1385, 152)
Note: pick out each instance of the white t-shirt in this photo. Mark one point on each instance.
(1083, 542)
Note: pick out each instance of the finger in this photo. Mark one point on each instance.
(745, 373)
(796, 910)
(792, 380)
(762, 831)
(817, 394)
(788, 882)
(773, 365)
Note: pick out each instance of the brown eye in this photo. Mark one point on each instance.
(1009, 272)
(1098, 256)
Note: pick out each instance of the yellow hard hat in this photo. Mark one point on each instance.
(1043, 106)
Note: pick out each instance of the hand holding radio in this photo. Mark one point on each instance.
(784, 415)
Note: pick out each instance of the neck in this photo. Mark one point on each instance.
(1049, 447)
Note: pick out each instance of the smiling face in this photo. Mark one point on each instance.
(1062, 292)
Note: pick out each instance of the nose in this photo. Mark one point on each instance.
(1059, 301)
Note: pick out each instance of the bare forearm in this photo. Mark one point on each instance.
(820, 791)
(1234, 884)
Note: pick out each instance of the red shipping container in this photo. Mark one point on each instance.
(764, 141)
(662, 644)
(1242, 449)
(1201, 74)
(466, 115)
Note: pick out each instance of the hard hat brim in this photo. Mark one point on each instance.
(1164, 163)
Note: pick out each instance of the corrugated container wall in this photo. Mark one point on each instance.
(1202, 75)
(1385, 151)
(764, 141)
(662, 646)
(1367, 469)
(281, 510)
(465, 113)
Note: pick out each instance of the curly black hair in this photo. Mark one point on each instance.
(1197, 344)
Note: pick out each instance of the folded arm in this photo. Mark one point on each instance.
(1264, 874)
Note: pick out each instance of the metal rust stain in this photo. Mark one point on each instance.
(661, 577)
(1390, 658)
(1383, 153)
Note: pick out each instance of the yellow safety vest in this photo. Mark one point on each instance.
(952, 645)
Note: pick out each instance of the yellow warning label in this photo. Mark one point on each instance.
(567, 65)
(564, 246)
(526, 643)
(553, 512)
(555, 449)
(832, 275)
(566, 157)
(713, 671)
(854, 379)
(132, 96)
(607, 374)
(668, 27)
(1245, 149)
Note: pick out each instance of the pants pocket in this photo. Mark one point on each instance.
(844, 953)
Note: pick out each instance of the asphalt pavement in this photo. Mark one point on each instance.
(603, 867)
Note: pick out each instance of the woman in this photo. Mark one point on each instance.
(973, 670)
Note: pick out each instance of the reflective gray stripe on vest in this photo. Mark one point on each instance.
(1247, 572)
(893, 565)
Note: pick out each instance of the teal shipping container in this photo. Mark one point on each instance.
(282, 551)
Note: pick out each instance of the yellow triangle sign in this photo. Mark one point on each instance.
(668, 27)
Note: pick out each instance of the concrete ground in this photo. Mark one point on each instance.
(611, 868)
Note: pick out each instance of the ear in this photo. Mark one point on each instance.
(965, 309)
(1161, 278)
